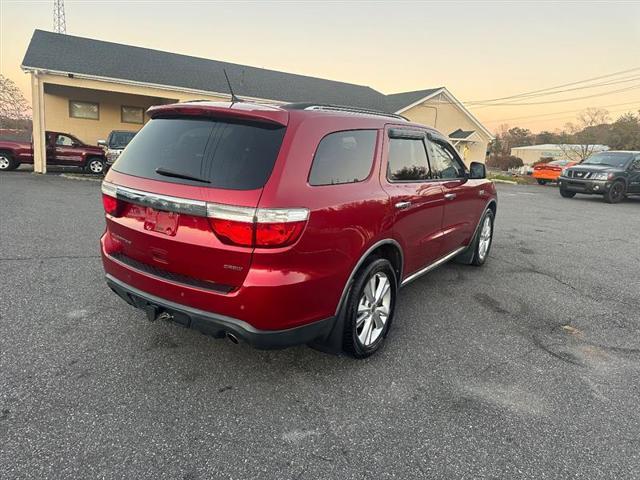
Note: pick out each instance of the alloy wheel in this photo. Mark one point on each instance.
(485, 238)
(374, 307)
(96, 166)
(4, 162)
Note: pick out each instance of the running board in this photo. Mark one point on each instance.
(428, 268)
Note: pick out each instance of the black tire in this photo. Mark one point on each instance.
(616, 192)
(92, 166)
(7, 162)
(352, 343)
(478, 258)
(566, 193)
(542, 182)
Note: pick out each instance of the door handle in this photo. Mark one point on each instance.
(449, 196)
(403, 205)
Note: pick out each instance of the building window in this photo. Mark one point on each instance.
(87, 110)
(132, 114)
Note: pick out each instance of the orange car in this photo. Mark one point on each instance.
(549, 172)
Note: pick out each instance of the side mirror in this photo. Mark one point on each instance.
(102, 143)
(477, 171)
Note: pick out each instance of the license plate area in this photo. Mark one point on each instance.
(161, 222)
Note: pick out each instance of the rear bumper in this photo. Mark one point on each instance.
(584, 186)
(552, 177)
(219, 325)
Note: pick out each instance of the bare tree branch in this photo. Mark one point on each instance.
(13, 106)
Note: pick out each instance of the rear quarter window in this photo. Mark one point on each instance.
(228, 155)
(343, 157)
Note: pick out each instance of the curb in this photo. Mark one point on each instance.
(83, 178)
(508, 182)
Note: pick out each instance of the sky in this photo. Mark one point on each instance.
(478, 50)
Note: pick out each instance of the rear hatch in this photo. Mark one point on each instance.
(176, 199)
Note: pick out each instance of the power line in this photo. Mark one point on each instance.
(557, 86)
(564, 111)
(573, 116)
(560, 100)
(632, 78)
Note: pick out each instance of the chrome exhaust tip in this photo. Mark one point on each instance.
(232, 338)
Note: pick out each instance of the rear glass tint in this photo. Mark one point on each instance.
(343, 157)
(230, 155)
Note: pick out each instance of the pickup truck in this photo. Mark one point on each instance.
(62, 149)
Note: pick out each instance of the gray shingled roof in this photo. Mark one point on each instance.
(69, 54)
(396, 101)
(461, 134)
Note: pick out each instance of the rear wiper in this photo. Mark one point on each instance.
(170, 173)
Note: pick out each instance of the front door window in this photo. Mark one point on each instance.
(64, 141)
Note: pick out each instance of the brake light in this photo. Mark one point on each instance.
(257, 227)
(110, 201)
(232, 232)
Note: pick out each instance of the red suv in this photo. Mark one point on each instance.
(287, 225)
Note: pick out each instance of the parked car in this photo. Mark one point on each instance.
(612, 174)
(62, 149)
(550, 172)
(287, 225)
(115, 144)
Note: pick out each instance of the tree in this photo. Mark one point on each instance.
(545, 137)
(624, 133)
(579, 140)
(504, 162)
(507, 138)
(14, 108)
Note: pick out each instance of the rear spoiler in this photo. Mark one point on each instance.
(238, 111)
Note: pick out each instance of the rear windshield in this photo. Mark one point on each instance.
(120, 139)
(224, 154)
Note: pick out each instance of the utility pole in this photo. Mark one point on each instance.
(59, 22)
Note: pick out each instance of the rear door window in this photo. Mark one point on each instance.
(343, 157)
(407, 160)
(225, 154)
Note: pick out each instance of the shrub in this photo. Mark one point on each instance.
(504, 162)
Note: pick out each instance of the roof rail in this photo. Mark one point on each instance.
(341, 108)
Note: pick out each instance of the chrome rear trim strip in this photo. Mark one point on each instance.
(166, 203)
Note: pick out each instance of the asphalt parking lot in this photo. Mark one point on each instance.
(526, 368)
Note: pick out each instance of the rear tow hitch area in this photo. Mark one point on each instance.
(154, 313)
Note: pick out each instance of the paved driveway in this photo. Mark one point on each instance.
(526, 368)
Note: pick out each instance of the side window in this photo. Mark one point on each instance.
(443, 162)
(64, 141)
(407, 160)
(343, 157)
(636, 163)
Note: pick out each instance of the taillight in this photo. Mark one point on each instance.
(110, 201)
(257, 227)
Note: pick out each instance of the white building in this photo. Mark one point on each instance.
(533, 153)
